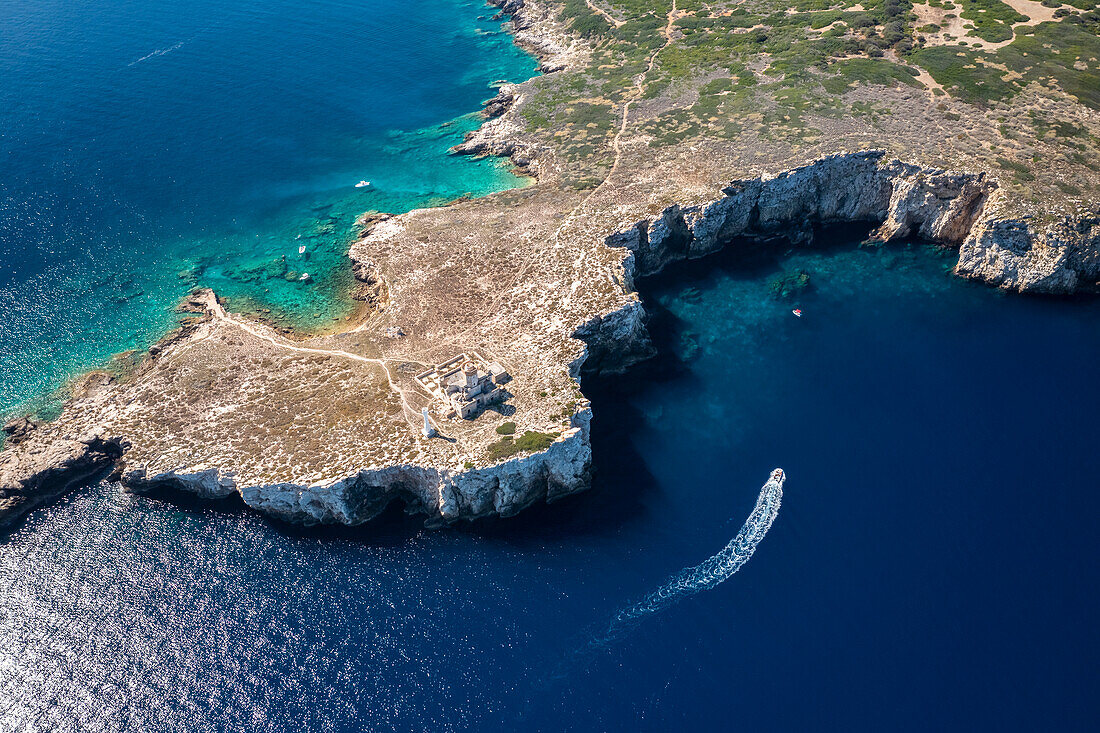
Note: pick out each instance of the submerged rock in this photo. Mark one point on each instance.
(790, 283)
(312, 433)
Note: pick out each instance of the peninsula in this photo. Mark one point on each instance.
(662, 130)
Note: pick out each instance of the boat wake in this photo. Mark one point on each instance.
(154, 54)
(707, 574)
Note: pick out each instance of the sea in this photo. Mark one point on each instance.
(931, 565)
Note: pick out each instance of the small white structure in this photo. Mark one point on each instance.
(465, 384)
(427, 431)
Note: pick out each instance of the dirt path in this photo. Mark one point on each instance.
(604, 14)
(572, 216)
(412, 416)
(616, 143)
(639, 89)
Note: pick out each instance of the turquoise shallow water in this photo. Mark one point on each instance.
(151, 146)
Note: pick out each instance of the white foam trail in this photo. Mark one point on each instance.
(709, 573)
(689, 581)
(158, 52)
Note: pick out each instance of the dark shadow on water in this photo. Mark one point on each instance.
(189, 503)
(620, 479)
(393, 527)
(65, 498)
(603, 509)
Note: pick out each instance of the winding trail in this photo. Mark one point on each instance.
(603, 13)
(639, 89)
(616, 145)
(616, 142)
(412, 415)
(220, 314)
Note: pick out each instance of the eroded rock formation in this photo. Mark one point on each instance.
(904, 199)
(37, 470)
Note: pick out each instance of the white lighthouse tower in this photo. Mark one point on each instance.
(427, 431)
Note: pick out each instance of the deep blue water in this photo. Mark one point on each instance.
(932, 566)
(150, 145)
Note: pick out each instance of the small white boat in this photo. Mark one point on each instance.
(362, 184)
(302, 250)
(305, 277)
(797, 312)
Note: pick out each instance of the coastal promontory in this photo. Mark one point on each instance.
(659, 132)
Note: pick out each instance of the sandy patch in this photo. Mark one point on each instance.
(952, 30)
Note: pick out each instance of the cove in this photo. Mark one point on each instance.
(931, 566)
(150, 147)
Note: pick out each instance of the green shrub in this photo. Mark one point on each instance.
(529, 442)
(507, 428)
(992, 19)
(1020, 171)
(585, 22)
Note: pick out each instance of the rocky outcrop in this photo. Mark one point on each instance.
(443, 496)
(903, 199)
(498, 105)
(1061, 257)
(18, 429)
(43, 468)
(613, 341)
(537, 31)
(906, 200)
(370, 283)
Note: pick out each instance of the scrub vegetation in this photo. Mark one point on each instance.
(530, 442)
(722, 69)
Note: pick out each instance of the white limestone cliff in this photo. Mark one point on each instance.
(442, 496)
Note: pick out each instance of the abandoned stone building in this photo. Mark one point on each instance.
(464, 385)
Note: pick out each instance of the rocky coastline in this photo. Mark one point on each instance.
(959, 210)
(949, 208)
(593, 320)
(902, 200)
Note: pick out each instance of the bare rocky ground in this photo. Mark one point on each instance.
(650, 144)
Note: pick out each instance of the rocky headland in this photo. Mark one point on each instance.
(327, 429)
